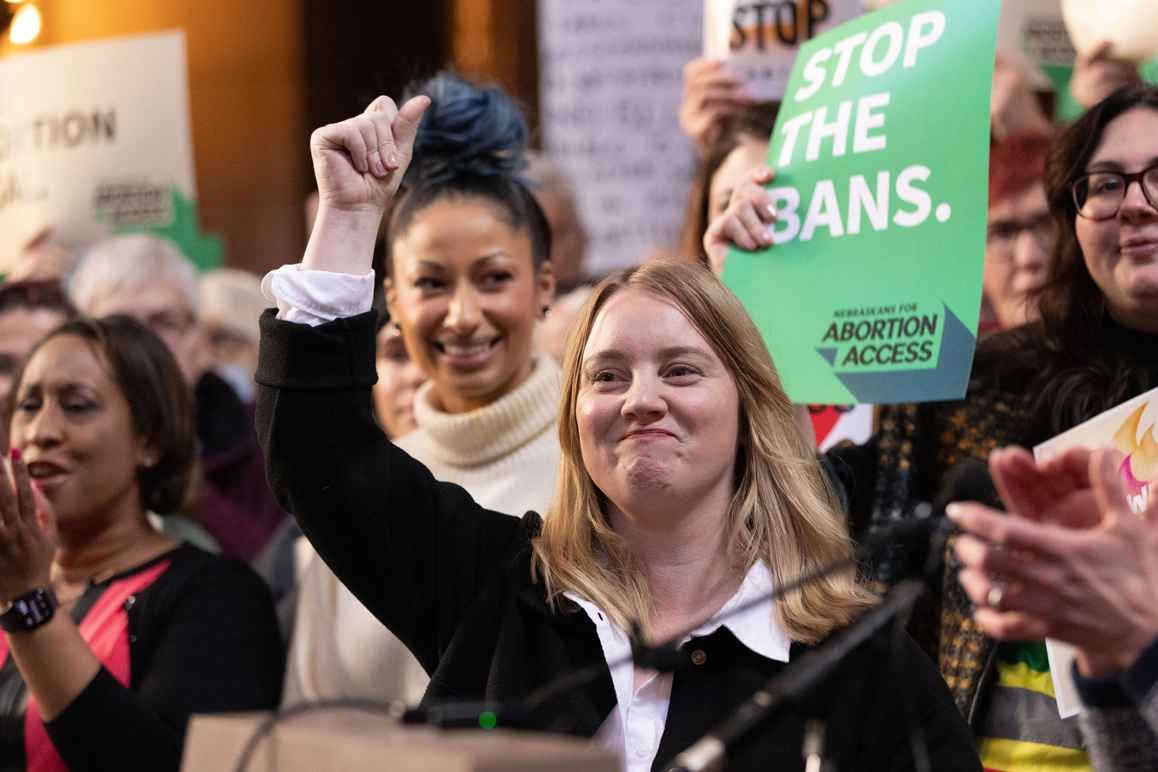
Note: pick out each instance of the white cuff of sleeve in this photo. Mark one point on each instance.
(316, 297)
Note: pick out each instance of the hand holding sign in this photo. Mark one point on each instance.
(1098, 73)
(746, 222)
(713, 92)
(880, 152)
(759, 39)
(1013, 106)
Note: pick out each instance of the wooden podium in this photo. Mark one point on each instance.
(347, 741)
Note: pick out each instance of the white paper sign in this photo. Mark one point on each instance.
(760, 38)
(1127, 24)
(93, 136)
(1033, 35)
(611, 78)
(1129, 428)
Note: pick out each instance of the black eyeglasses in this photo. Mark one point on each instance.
(1099, 195)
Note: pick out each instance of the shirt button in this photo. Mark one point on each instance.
(641, 753)
(699, 657)
(130, 602)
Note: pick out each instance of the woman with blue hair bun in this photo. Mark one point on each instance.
(468, 278)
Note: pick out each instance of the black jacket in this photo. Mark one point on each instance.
(453, 581)
(203, 638)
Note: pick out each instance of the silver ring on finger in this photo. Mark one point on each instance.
(994, 597)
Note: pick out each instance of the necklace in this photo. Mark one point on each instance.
(68, 596)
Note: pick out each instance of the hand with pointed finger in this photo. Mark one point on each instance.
(28, 537)
(359, 163)
(1094, 587)
(746, 223)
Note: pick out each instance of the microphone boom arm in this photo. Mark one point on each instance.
(709, 753)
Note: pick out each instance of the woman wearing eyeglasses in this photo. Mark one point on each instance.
(1019, 234)
(1095, 346)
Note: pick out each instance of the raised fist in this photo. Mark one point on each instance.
(359, 163)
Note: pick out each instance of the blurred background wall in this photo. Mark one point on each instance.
(264, 73)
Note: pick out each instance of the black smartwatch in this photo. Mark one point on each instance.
(29, 611)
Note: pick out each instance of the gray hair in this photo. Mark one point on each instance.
(127, 263)
(232, 298)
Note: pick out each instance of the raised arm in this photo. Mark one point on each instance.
(414, 551)
(359, 164)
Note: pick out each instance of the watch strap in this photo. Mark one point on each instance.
(29, 611)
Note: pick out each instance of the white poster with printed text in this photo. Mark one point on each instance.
(610, 76)
(760, 38)
(95, 139)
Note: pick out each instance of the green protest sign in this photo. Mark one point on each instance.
(872, 290)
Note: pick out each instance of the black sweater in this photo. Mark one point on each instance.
(453, 581)
(203, 638)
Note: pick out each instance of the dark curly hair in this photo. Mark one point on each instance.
(472, 143)
(160, 402)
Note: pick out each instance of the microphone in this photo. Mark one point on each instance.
(929, 527)
(467, 714)
(966, 481)
(710, 752)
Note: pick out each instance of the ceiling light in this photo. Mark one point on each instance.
(25, 25)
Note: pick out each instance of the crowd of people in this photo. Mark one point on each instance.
(436, 461)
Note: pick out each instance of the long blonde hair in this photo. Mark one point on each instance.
(783, 511)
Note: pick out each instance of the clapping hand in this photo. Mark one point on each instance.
(1070, 562)
(28, 536)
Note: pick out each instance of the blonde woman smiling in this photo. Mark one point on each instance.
(685, 489)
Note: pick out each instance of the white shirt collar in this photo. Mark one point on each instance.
(758, 628)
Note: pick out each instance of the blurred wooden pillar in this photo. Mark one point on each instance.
(498, 40)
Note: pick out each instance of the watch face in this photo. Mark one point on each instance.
(29, 611)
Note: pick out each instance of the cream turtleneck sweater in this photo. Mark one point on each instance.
(505, 455)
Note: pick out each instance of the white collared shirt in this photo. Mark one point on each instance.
(306, 296)
(633, 730)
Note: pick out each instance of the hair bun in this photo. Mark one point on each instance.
(468, 130)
